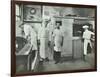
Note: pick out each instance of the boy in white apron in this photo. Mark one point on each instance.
(87, 38)
(58, 42)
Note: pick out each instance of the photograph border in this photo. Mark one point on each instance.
(13, 35)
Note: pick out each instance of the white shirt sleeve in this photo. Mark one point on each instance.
(83, 34)
(26, 30)
(62, 32)
(39, 33)
(92, 33)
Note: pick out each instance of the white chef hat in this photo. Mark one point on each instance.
(46, 18)
(85, 27)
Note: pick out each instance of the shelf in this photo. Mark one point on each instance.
(32, 21)
(75, 17)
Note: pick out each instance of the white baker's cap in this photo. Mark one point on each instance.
(46, 18)
(85, 26)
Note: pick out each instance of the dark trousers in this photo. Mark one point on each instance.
(32, 56)
(89, 48)
(57, 56)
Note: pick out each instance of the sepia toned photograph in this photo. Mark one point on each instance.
(53, 38)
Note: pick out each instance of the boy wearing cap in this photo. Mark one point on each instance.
(58, 42)
(86, 36)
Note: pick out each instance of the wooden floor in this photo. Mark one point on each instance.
(67, 63)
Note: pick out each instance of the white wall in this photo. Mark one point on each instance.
(67, 27)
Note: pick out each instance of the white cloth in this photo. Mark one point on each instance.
(29, 31)
(87, 36)
(58, 34)
(43, 36)
(51, 29)
(85, 26)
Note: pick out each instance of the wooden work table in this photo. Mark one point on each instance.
(23, 58)
(77, 48)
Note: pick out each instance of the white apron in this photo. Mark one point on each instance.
(44, 38)
(58, 34)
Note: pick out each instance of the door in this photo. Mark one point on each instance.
(67, 27)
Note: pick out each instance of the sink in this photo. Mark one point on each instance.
(20, 43)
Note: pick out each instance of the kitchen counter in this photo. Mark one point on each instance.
(77, 48)
(23, 59)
